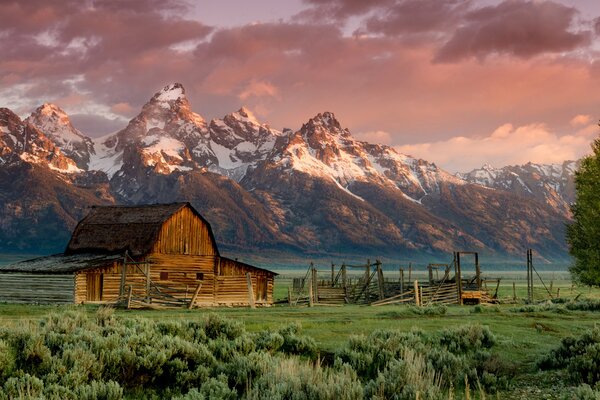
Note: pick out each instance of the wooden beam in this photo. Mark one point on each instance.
(195, 296)
(310, 292)
(380, 280)
(123, 275)
(417, 298)
(250, 290)
(147, 272)
(129, 296)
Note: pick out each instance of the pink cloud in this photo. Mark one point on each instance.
(507, 145)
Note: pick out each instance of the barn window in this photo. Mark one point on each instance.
(200, 276)
(164, 276)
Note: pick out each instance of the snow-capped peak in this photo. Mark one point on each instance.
(325, 122)
(171, 92)
(245, 114)
(55, 123)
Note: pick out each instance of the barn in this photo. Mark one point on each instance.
(139, 256)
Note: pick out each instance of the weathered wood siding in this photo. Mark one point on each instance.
(182, 273)
(37, 288)
(111, 283)
(185, 233)
(232, 286)
(223, 280)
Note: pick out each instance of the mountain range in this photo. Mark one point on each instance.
(316, 189)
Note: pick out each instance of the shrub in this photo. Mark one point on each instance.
(408, 378)
(583, 392)
(467, 338)
(579, 355)
(218, 326)
(294, 343)
(100, 391)
(26, 386)
(7, 361)
(291, 378)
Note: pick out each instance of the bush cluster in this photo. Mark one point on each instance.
(407, 363)
(580, 356)
(73, 355)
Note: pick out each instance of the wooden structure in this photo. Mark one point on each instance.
(139, 256)
(367, 285)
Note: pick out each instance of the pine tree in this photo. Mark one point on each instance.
(583, 235)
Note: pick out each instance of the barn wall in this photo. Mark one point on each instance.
(223, 281)
(37, 288)
(185, 233)
(232, 284)
(182, 274)
(111, 282)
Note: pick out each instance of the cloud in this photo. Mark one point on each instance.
(123, 109)
(341, 9)
(418, 16)
(379, 137)
(507, 145)
(521, 28)
(50, 41)
(95, 125)
(581, 119)
(258, 89)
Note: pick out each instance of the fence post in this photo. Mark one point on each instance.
(332, 273)
(310, 292)
(315, 286)
(250, 290)
(401, 280)
(514, 292)
(417, 297)
(380, 283)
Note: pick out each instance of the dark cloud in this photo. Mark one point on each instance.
(96, 125)
(418, 16)
(515, 27)
(341, 9)
(93, 41)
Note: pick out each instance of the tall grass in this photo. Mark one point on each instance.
(73, 355)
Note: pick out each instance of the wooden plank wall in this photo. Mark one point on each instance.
(233, 290)
(111, 282)
(182, 270)
(185, 233)
(37, 288)
(228, 288)
(233, 269)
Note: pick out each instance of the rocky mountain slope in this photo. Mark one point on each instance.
(315, 189)
(551, 184)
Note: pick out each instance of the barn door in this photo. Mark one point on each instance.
(94, 287)
(260, 292)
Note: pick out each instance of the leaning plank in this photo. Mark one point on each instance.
(193, 301)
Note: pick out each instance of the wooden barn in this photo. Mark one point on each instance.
(139, 256)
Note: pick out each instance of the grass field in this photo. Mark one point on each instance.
(524, 334)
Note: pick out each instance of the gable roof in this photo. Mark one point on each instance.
(116, 229)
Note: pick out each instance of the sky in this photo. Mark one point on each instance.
(457, 82)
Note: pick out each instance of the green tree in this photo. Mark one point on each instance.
(583, 235)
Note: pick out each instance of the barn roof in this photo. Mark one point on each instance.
(60, 263)
(116, 229)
